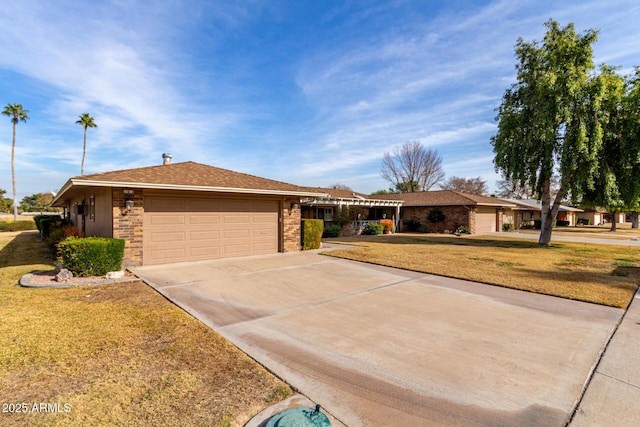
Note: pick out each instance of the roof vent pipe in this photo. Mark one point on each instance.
(166, 158)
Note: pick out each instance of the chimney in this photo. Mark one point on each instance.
(166, 158)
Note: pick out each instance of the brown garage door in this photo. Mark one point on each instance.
(191, 228)
(485, 220)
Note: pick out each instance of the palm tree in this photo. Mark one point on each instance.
(17, 113)
(87, 122)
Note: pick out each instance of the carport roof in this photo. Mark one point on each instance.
(186, 176)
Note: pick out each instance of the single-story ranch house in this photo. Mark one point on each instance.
(186, 211)
(527, 211)
(478, 213)
(190, 211)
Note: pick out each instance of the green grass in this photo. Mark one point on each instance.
(118, 354)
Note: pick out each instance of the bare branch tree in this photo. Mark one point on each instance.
(465, 185)
(412, 167)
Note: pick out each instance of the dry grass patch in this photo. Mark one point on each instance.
(117, 354)
(601, 274)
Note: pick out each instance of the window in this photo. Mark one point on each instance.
(92, 208)
(325, 213)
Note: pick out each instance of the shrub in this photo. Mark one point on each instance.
(332, 231)
(58, 234)
(312, 233)
(435, 216)
(507, 226)
(562, 223)
(372, 229)
(93, 256)
(387, 225)
(17, 225)
(47, 225)
(463, 229)
(583, 221)
(39, 218)
(412, 224)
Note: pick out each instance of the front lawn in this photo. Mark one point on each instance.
(115, 355)
(601, 274)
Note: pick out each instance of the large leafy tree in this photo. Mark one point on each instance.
(39, 202)
(616, 184)
(86, 121)
(17, 114)
(412, 167)
(548, 121)
(6, 203)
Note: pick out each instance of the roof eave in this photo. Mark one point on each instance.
(89, 183)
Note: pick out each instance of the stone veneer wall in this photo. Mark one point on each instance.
(454, 216)
(128, 225)
(291, 225)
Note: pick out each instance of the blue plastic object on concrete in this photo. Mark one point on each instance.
(300, 417)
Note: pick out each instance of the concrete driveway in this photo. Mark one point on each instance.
(380, 346)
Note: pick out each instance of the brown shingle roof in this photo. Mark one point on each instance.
(444, 198)
(188, 176)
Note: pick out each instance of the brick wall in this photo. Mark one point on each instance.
(455, 216)
(291, 225)
(128, 225)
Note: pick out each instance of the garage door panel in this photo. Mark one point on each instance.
(263, 218)
(167, 220)
(203, 228)
(237, 219)
(205, 235)
(205, 252)
(204, 219)
(168, 254)
(167, 236)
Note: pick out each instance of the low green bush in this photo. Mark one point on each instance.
(17, 225)
(562, 223)
(312, 233)
(507, 226)
(372, 229)
(47, 225)
(583, 221)
(332, 231)
(463, 229)
(93, 256)
(39, 218)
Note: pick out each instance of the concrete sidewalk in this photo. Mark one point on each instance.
(613, 395)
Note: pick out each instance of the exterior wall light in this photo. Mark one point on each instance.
(129, 204)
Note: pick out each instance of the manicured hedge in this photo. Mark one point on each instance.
(17, 225)
(312, 233)
(93, 256)
(373, 229)
(39, 218)
(332, 231)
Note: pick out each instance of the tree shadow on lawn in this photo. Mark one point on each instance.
(400, 239)
(24, 248)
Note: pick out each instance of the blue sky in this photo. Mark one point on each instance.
(308, 92)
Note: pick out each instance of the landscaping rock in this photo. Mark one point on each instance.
(64, 275)
(115, 275)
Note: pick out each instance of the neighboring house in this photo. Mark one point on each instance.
(478, 213)
(527, 211)
(328, 208)
(599, 216)
(186, 211)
